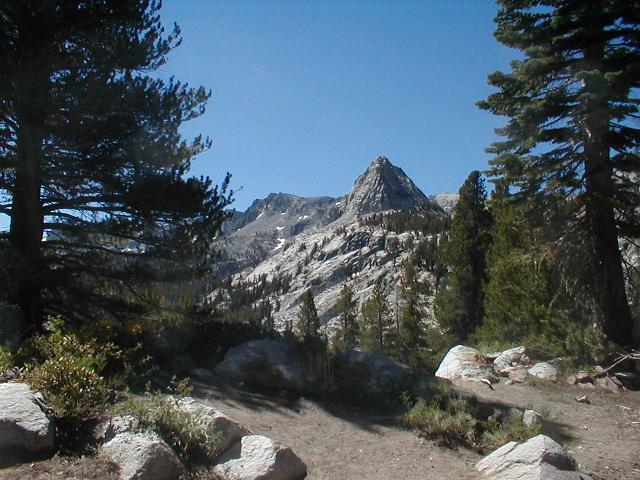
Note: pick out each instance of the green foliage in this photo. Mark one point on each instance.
(6, 359)
(194, 440)
(453, 420)
(418, 220)
(68, 373)
(459, 302)
(347, 308)
(105, 173)
(571, 140)
(376, 321)
(308, 320)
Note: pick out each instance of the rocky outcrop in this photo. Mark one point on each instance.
(264, 363)
(26, 431)
(465, 363)
(539, 458)
(256, 457)
(544, 371)
(384, 186)
(213, 420)
(376, 374)
(142, 456)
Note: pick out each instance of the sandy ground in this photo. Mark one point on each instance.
(337, 442)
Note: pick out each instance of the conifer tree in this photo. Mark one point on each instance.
(346, 337)
(459, 302)
(376, 321)
(308, 320)
(517, 296)
(573, 132)
(92, 162)
(411, 313)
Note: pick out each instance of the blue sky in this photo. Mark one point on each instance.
(306, 94)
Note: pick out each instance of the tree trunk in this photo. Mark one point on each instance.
(26, 222)
(610, 294)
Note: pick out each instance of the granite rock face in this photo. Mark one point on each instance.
(256, 457)
(142, 456)
(539, 458)
(26, 431)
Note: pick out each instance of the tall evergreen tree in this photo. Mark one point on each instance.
(573, 107)
(518, 297)
(308, 320)
(346, 306)
(92, 160)
(376, 321)
(459, 302)
(411, 314)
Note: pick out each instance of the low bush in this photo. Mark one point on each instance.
(453, 420)
(195, 441)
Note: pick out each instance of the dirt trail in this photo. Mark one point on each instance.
(339, 443)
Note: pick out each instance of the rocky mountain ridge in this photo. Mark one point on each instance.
(323, 242)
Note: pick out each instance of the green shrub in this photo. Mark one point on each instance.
(195, 441)
(454, 420)
(72, 388)
(450, 428)
(68, 372)
(6, 359)
(499, 429)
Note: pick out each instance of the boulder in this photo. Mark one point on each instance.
(209, 418)
(265, 363)
(376, 373)
(539, 458)
(544, 371)
(510, 358)
(142, 456)
(26, 432)
(256, 457)
(531, 417)
(610, 383)
(465, 363)
(108, 429)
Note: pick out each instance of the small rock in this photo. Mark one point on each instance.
(510, 357)
(582, 399)
(544, 371)
(519, 375)
(531, 417)
(112, 427)
(256, 457)
(610, 383)
(142, 456)
(465, 363)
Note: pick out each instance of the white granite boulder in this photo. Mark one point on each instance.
(256, 457)
(142, 456)
(465, 363)
(531, 417)
(377, 373)
(512, 357)
(26, 431)
(213, 420)
(265, 363)
(539, 458)
(544, 371)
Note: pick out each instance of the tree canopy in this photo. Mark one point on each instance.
(572, 135)
(93, 166)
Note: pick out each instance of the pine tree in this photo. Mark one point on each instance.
(518, 296)
(411, 314)
(346, 337)
(92, 160)
(308, 320)
(572, 134)
(376, 321)
(459, 302)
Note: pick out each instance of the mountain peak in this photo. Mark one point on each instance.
(383, 186)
